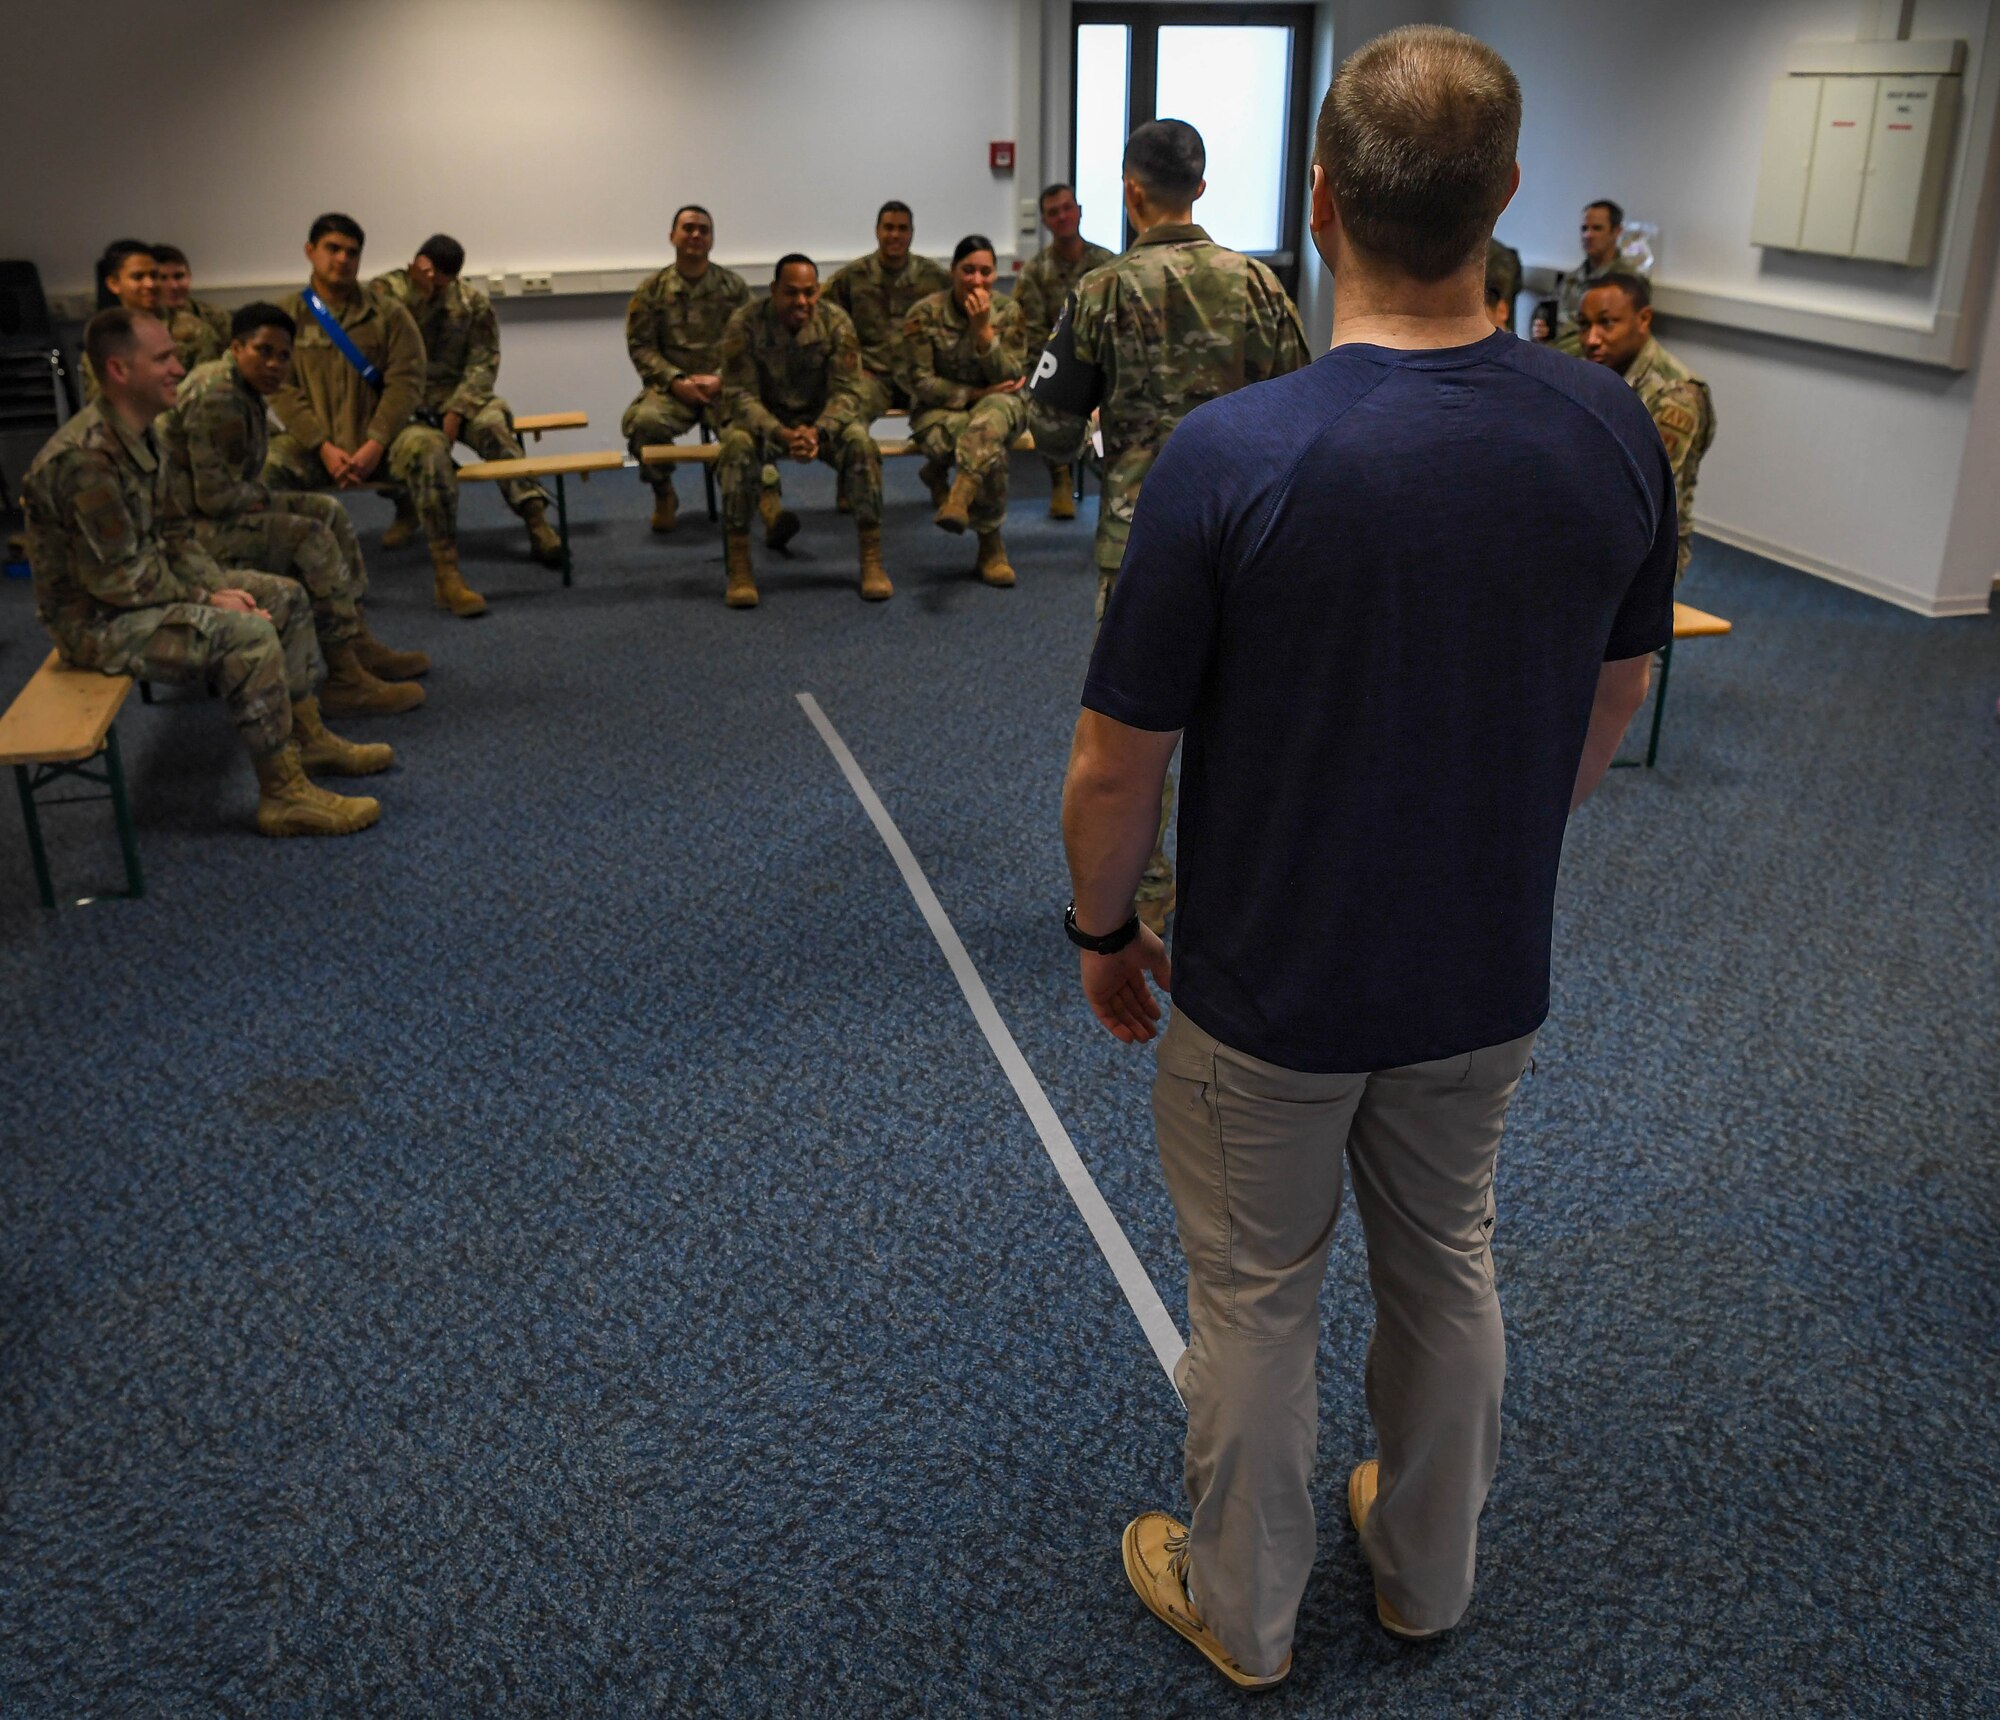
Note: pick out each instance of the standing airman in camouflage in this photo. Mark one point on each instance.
(791, 387)
(673, 330)
(879, 291)
(121, 594)
(1615, 327)
(200, 329)
(1602, 228)
(1041, 289)
(964, 352)
(461, 365)
(345, 421)
(1175, 321)
(212, 447)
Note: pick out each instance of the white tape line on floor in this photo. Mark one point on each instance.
(1151, 1312)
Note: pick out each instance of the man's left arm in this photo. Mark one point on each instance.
(1111, 812)
(481, 375)
(402, 374)
(1066, 386)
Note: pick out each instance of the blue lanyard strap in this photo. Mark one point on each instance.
(340, 338)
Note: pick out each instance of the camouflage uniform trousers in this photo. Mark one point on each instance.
(656, 417)
(490, 434)
(419, 460)
(745, 464)
(297, 538)
(1156, 883)
(878, 394)
(259, 667)
(977, 442)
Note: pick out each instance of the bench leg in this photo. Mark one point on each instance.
(128, 834)
(562, 526)
(1659, 705)
(708, 473)
(36, 852)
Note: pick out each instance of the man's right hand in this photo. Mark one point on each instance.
(237, 602)
(1115, 987)
(336, 460)
(803, 443)
(1013, 387)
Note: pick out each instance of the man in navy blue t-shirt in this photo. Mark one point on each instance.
(1401, 605)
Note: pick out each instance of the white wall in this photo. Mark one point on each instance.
(542, 135)
(1843, 464)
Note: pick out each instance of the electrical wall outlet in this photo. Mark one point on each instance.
(539, 283)
(496, 285)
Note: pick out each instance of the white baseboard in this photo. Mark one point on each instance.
(1853, 578)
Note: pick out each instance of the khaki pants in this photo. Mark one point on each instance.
(1253, 1156)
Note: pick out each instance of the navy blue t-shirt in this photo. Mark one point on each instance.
(1377, 594)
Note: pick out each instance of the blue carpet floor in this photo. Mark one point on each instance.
(568, 1251)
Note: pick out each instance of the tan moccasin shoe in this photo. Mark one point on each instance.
(1156, 1559)
(1361, 1485)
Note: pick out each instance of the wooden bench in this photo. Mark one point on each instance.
(535, 423)
(58, 724)
(1689, 623)
(557, 466)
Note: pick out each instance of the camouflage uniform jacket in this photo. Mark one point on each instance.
(200, 331)
(773, 379)
(673, 326)
(1175, 321)
(1685, 415)
(94, 534)
(461, 341)
(945, 363)
(326, 398)
(1042, 286)
(879, 302)
(212, 446)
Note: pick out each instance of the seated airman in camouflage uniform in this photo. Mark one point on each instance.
(212, 444)
(1615, 328)
(879, 291)
(461, 365)
(673, 330)
(200, 330)
(965, 361)
(791, 386)
(345, 425)
(121, 595)
(128, 274)
(1174, 321)
(1040, 290)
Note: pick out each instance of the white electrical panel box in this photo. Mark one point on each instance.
(1857, 149)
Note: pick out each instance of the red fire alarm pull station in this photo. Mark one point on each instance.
(1000, 157)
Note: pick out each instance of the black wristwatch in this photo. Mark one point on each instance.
(1108, 945)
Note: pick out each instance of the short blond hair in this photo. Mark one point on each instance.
(1417, 138)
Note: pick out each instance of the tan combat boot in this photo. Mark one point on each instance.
(1062, 494)
(322, 750)
(781, 525)
(742, 592)
(452, 591)
(288, 804)
(937, 479)
(666, 508)
(543, 542)
(953, 516)
(875, 584)
(993, 565)
(403, 527)
(351, 691)
(386, 664)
